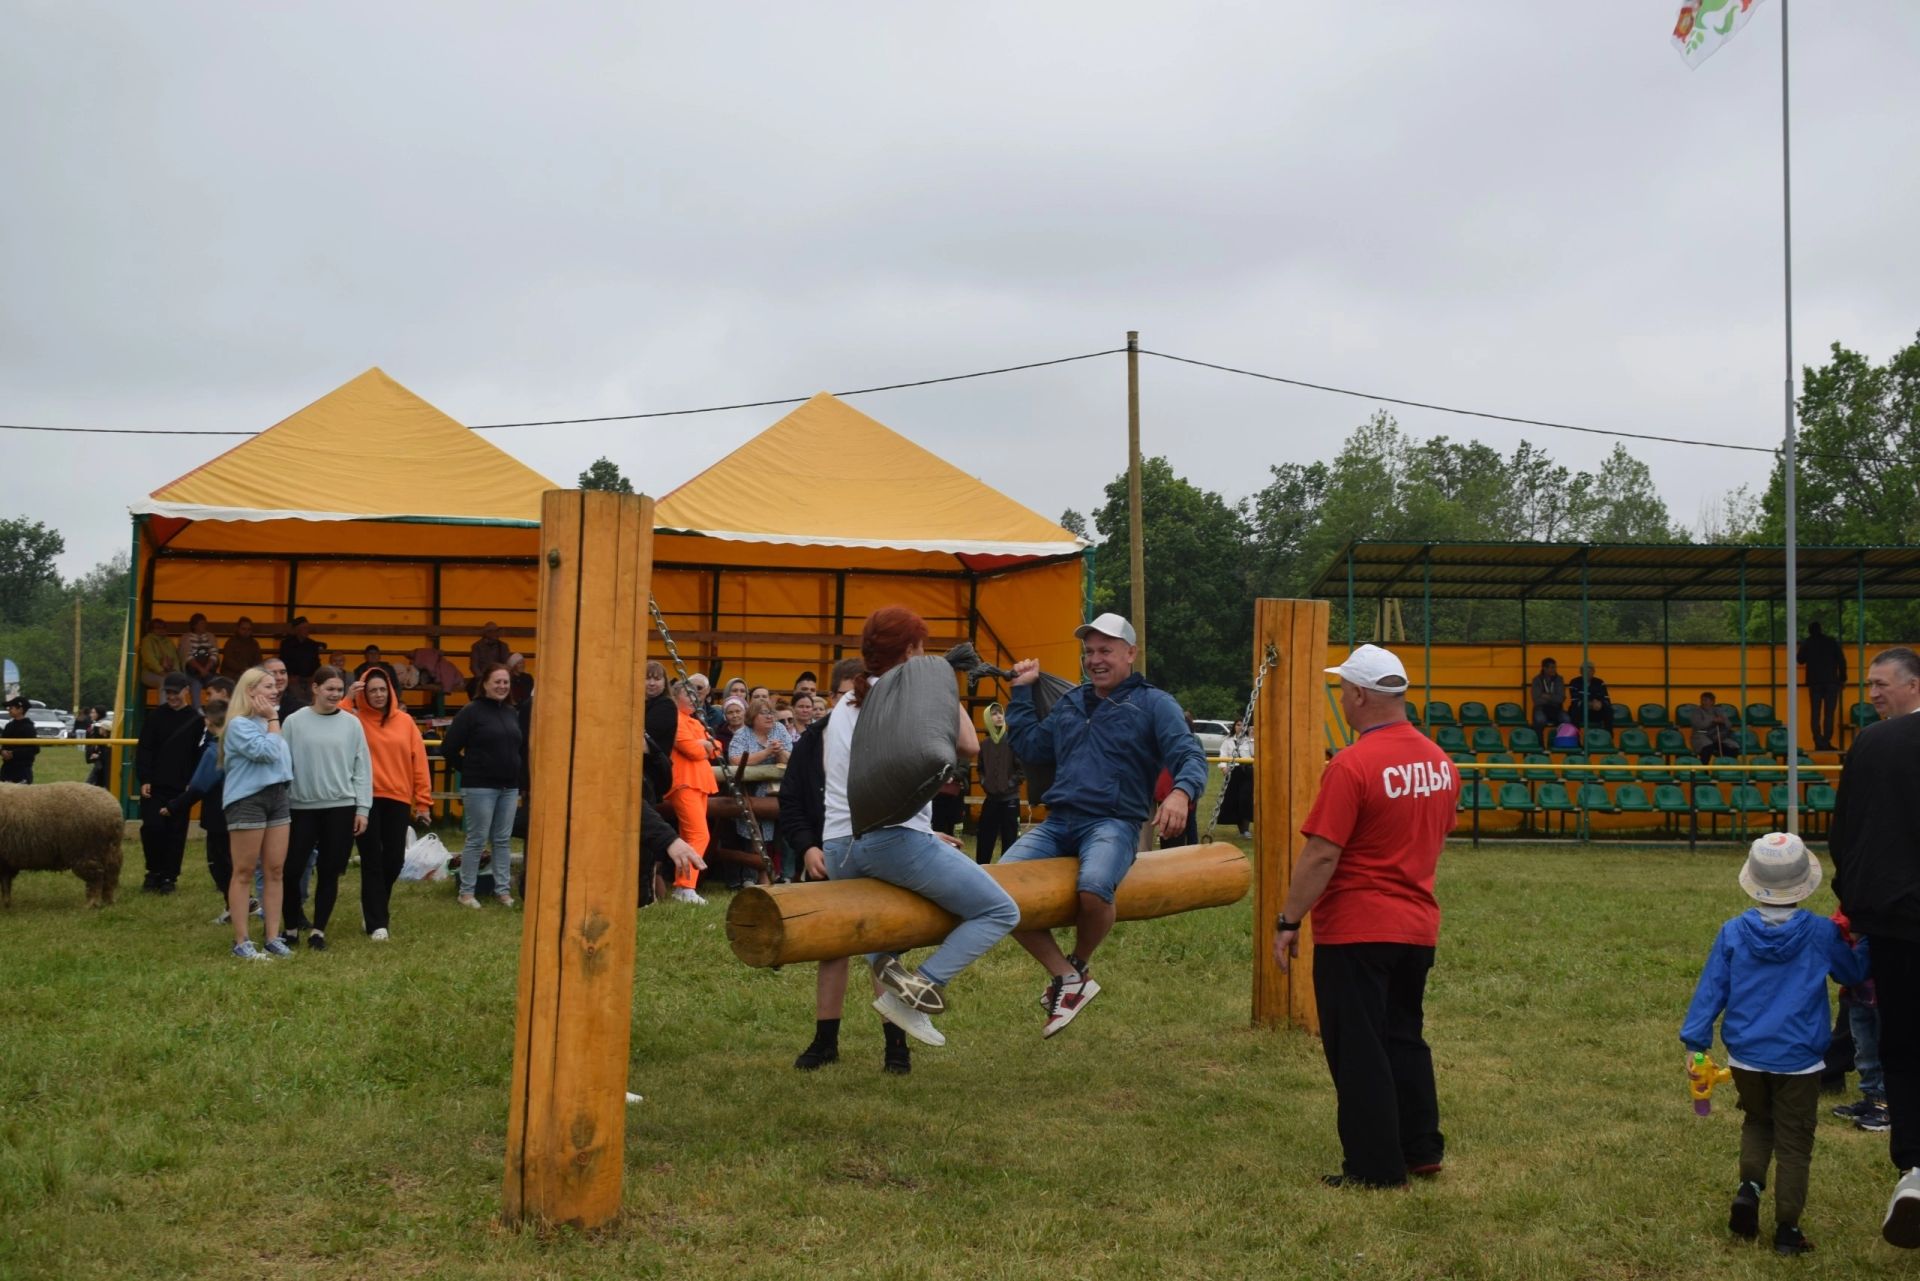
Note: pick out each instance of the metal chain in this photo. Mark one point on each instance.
(1267, 661)
(727, 775)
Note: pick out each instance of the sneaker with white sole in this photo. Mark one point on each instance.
(909, 1020)
(379, 935)
(1068, 997)
(225, 917)
(277, 947)
(246, 951)
(911, 986)
(1902, 1224)
(468, 900)
(685, 895)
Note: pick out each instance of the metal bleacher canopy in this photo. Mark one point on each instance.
(1365, 569)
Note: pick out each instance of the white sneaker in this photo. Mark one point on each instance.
(1902, 1225)
(921, 993)
(908, 1020)
(379, 935)
(468, 900)
(685, 895)
(633, 1098)
(222, 919)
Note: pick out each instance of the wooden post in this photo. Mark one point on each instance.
(1136, 532)
(1289, 730)
(566, 1122)
(75, 704)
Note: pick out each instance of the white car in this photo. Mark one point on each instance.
(48, 723)
(1212, 735)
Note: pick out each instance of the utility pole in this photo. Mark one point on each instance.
(75, 704)
(1136, 536)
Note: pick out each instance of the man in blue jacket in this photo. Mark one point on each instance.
(1108, 739)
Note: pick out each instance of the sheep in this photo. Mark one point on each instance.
(56, 827)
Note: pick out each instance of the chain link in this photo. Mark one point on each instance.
(1267, 661)
(727, 776)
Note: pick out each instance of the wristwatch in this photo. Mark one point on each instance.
(1281, 925)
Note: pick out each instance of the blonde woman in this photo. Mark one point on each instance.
(256, 805)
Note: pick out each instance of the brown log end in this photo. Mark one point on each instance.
(755, 928)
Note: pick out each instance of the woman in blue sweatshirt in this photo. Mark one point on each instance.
(1766, 981)
(257, 769)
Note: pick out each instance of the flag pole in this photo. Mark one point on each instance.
(1792, 530)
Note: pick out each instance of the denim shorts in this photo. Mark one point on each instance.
(1106, 848)
(267, 807)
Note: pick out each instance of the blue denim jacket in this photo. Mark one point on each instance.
(1108, 751)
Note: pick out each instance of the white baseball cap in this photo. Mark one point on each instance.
(1371, 667)
(1108, 625)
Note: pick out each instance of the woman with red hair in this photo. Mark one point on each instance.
(910, 854)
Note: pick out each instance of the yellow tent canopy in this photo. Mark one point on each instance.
(384, 521)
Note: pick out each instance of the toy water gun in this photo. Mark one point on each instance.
(1702, 1076)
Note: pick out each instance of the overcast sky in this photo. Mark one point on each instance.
(212, 214)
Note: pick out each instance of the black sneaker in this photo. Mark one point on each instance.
(816, 1056)
(317, 940)
(1354, 1181)
(1873, 1118)
(898, 1061)
(1852, 1111)
(1743, 1220)
(1790, 1241)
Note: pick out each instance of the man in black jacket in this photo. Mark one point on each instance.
(163, 761)
(16, 762)
(1826, 665)
(1876, 860)
(803, 817)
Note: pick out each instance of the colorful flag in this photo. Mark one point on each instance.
(1705, 25)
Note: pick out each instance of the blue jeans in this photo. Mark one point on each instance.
(933, 869)
(487, 815)
(1865, 1022)
(1104, 846)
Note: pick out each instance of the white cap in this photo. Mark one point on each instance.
(1780, 869)
(1108, 625)
(1371, 667)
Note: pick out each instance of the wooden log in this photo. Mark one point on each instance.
(1289, 729)
(566, 1123)
(820, 920)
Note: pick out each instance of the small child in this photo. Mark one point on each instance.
(1767, 972)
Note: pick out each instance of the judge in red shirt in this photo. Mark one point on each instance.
(1373, 838)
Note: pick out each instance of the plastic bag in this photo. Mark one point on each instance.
(426, 858)
(902, 747)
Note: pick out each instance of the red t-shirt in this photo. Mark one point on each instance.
(1387, 800)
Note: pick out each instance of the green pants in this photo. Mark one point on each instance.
(1781, 1112)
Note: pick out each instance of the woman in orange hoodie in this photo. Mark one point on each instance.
(402, 788)
(693, 783)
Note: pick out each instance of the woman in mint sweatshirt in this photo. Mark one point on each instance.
(331, 795)
(1766, 981)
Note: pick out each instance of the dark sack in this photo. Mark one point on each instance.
(902, 744)
(1047, 691)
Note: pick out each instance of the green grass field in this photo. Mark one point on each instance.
(168, 1112)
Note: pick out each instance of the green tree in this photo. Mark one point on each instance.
(1199, 614)
(1073, 522)
(43, 644)
(27, 552)
(605, 475)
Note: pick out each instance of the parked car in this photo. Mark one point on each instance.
(1212, 735)
(48, 723)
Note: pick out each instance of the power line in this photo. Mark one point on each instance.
(1465, 413)
(606, 418)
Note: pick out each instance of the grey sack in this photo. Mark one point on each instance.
(902, 744)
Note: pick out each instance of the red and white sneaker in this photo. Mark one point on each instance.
(1066, 997)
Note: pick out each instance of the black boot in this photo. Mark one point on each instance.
(898, 1060)
(825, 1048)
(1743, 1220)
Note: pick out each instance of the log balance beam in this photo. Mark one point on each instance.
(823, 920)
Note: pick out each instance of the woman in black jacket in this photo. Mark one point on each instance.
(483, 746)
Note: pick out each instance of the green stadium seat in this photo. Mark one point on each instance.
(1777, 798)
(1668, 798)
(1614, 776)
(1439, 713)
(1509, 714)
(1516, 797)
(1466, 766)
(1777, 741)
(1653, 769)
(1413, 713)
(1671, 743)
(1524, 739)
(1820, 798)
(1472, 714)
(1761, 715)
(1576, 770)
(1708, 799)
(1597, 740)
(1487, 739)
(1622, 715)
(1594, 799)
(1750, 743)
(1533, 776)
(1652, 716)
(1499, 767)
(1553, 799)
(1863, 715)
(1747, 799)
(1478, 796)
(1631, 798)
(1634, 739)
(1683, 715)
(1450, 739)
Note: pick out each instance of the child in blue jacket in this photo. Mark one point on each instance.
(1767, 973)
